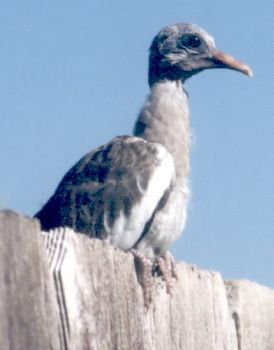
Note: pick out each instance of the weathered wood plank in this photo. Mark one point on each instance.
(80, 293)
(106, 311)
(252, 307)
(27, 303)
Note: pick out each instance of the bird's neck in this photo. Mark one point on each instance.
(164, 118)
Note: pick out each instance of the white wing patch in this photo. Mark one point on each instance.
(127, 229)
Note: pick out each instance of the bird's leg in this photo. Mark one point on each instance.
(171, 263)
(144, 273)
(166, 273)
(167, 267)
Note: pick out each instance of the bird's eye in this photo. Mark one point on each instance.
(191, 41)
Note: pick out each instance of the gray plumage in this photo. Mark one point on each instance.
(132, 192)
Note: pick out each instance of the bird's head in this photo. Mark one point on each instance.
(182, 50)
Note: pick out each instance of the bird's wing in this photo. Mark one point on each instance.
(112, 192)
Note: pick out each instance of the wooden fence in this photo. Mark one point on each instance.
(66, 291)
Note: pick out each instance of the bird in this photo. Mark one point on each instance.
(133, 191)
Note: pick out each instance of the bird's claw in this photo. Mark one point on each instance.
(165, 264)
(144, 273)
(167, 267)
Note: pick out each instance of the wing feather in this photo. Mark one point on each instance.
(112, 192)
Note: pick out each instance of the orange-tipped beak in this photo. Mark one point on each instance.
(223, 60)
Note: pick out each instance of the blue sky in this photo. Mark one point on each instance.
(74, 74)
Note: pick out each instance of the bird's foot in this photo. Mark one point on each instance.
(167, 267)
(171, 264)
(144, 273)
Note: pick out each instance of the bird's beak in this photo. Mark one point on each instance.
(222, 60)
